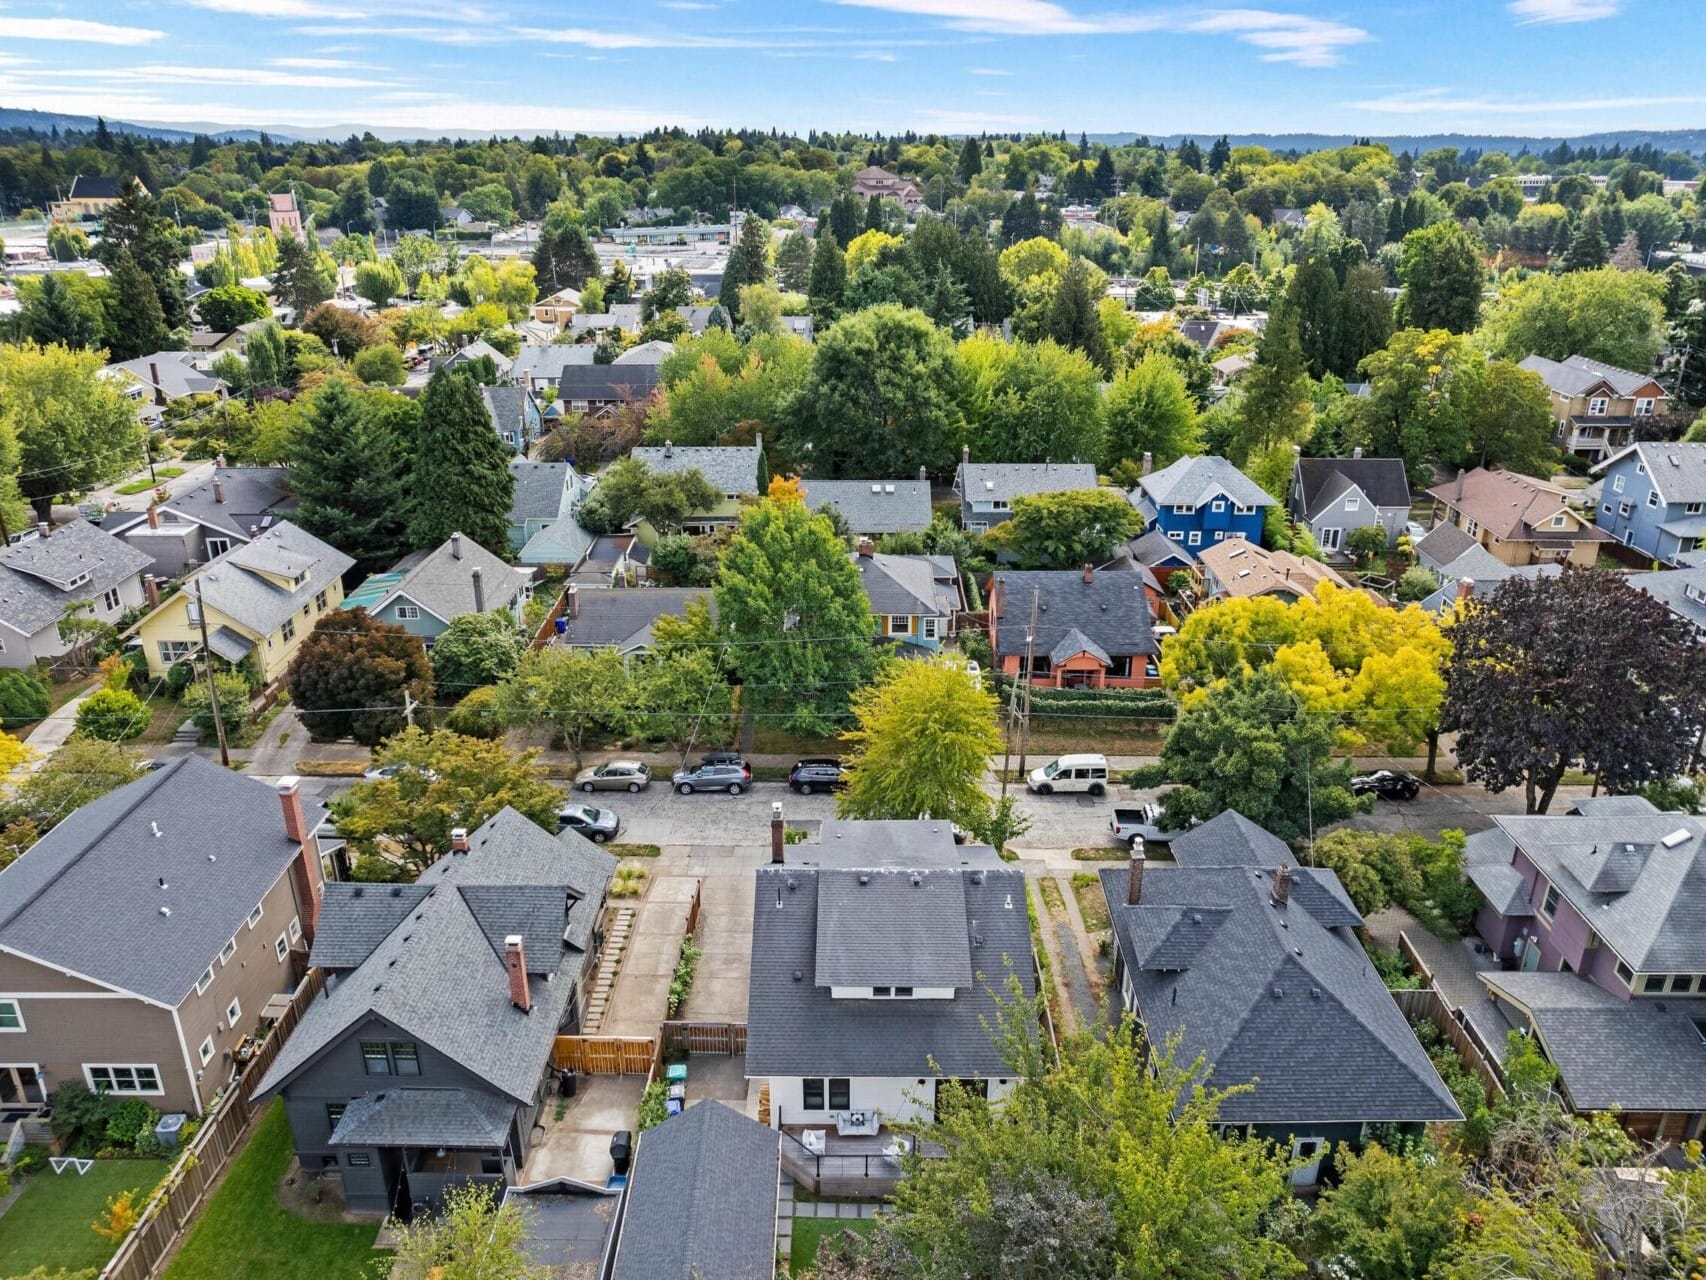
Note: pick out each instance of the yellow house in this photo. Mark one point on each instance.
(91, 196)
(558, 309)
(261, 599)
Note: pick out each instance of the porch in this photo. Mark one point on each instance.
(863, 1166)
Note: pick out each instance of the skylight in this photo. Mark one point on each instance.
(1681, 835)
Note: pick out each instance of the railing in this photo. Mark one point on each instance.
(176, 1202)
(861, 1176)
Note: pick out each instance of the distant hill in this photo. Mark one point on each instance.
(1692, 141)
(44, 121)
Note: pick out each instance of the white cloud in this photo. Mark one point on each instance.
(1444, 102)
(685, 6)
(312, 64)
(275, 8)
(1532, 11)
(75, 30)
(877, 55)
(257, 77)
(988, 71)
(1285, 37)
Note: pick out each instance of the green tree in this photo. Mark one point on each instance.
(564, 257)
(1029, 402)
(1606, 314)
(73, 427)
(304, 277)
(576, 693)
(1073, 320)
(81, 771)
(1313, 297)
(137, 325)
(475, 650)
(58, 312)
(116, 715)
(474, 1237)
(1364, 320)
(353, 676)
(794, 262)
(619, 284)
(1253, 745)
(1507, 1236)
(1065, 530)
(230, 305)
(1274, 408)
(233, 690)
(1418, 403)
(378, 282)
(1150, 411)
(971, 162)
(380, 366)
(352, 212)
(797, 616)
(1440, 269)
(671, 290)
(269, 361)
(828, 280)
(460, 472)
(135, 227)
(445, 781)
(682, 696)
(347, 476)
(415, 256)
(921, 741)
(489, 202)
(1389, 1217)
(1510, 420)
(749, 263)
(1588, 249)
(881, 396)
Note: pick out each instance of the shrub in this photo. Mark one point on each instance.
(179, 676)
(240, 730)
(380, 365)
(80, 1117)
(1418, 583)
(682, 983)
(113, 715)
(653, 1108)
(1393, 969)
(1366, 543)
(131, 1121)
(476, 716)
(24, 695)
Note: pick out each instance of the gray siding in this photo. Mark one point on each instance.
(1339, 516)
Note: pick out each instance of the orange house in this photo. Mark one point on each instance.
(1095, 629)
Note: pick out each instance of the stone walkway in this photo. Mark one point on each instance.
(788, 1208)
(639, 999)
(609, 964)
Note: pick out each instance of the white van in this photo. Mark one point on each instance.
(1071, 773)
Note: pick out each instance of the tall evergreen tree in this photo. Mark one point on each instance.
(1364, 320)
(1022, 221)
(460, 481)
(1274, 408)
(1313, 298)
(302, 280)
(874, 220)
(1588, 250)
(1395, 221)
(749, 263)
(269, 360)
(55, 315)
(347, 478)
(1105, 178)
(564, 258)
(1073, 320)
(843, 218)
(1219, 155)
(971, 161)
(828, 278)
(135, 226)
(138, 323)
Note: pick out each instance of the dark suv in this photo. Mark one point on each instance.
(1388, 784)
(816, 775)
(732, 777)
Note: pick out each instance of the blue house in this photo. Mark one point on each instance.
(426, 591)
(1653, 498)
(514, 414)
(1201, 501)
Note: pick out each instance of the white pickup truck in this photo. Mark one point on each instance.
(1141, 821)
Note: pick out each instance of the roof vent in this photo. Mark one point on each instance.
(799, 975)
(155, 828)
(356, 892)
(793, 885)
(1196, 917)
(213, 857)
(163, 883)
(1314, 993)
(396, 891)
(864, 879)
(1008, 905)
(977, 877)
(1278, 991)
(917, 880)
(165, 911)
(888, 488)
(876, 488)
(1680, 836)
(1297, 951)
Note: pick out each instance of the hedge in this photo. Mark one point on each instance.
(1145, 704)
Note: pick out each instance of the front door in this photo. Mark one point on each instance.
(1330, 539)
(1306, 1153)
(1530, 955)
(20, 1086)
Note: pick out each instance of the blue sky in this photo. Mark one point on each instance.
(1408, 66)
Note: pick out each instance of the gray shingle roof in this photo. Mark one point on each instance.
(171, 373)
(1638, 1055)
(1677, 470)
(241, 583)
(1111, 609)
(701, 1200)
(795, 1027)
(1075, 642)
(1575, 374)
(909, 585)
(1004, 481)
(456, 1118)
(728, 468)
(1645, 899)
(1443, 544)
(1324, 480)
(607, 381)
(873, 506)
(87, 897)
(255, 498)
(1156, 548)
(1683, 591)
(1193, 481)
(548, 362)
(1282, 998)
(442, 580)
(539, 490)
(891, 927)
(355, 918)
(439, 974)
(36, 576)
(622, 617)
(505, 406)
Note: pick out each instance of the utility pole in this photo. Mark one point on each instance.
(212, 685)
(409, 705)
(1030, 656)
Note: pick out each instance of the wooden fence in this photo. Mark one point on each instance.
(605, 1055)
(1413, 958)
(704, 1037)
(179, 1198)
(693, 909)
(1429, 1005)
(548, 628)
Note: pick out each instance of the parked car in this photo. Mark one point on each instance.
(1388, 784)
(385, 772)
(733, 778)
(616, 775)
(597, 825)
(808, 776)
(1071, 773)
(1141, 822)
(720, 757)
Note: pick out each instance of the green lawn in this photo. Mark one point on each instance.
(810, 1232)
(244, 1231)
(50, 1225)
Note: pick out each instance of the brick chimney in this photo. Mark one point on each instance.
(218, 489)
(778, 834)
(153, 516)
(1089, 574)
(1465, 590)
(515, 961)
(305, 867)
(219, 461)
(1134, 875)
(459, 840)
(1148, 462)
(456, 546)
(151, 590)
(669, 448)
(867, 548)
(479, 590)
(1282, 884)
(154, 377)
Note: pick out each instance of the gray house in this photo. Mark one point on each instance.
(1252, 964)
(428, 590)
(202, 524)
(1333, 496)
(701, 1199)
(914, 598)
(75, 569)
(987, 489)
(874, 507)
(621, 618)
(542, 526)
(514, 414)
(427, 1058)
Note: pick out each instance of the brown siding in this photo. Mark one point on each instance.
(252, 976)
(20, 974)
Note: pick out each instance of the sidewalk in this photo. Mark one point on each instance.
(48, 736)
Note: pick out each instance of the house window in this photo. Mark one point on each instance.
(359, 1159)
(282, 947)
(1617, 484)
(320, 601)
(1471, 528)
(1680, 984)
(899, 625)
(1194, 539)
(1549, 903)
(217, 547)
(1694, 508)
(840, 1094)
(1220, 535)
(931, 628)
(1625, 975)
(1605, 509)
(1353, 503)
(11, 1016)
(1597, 407)
(228, 950)
(408, 613)
(255, 916)
(1243, 508)
(1644, 407)
(1623, 509)
(334, 1113)
(1218, 505)
(1182, 509)
(1000, 504)
(811, 1097)
(375, 1060)
(128, 1079)
(205, 981)
(1652, 984)
(110, 600)
(205, 1053)
(1177, 535)
(295, 929)
(288, 631)
(175, 651)
(1640, 468)
(1652, 497)
(1558, 521)
(406, 1058)
(233, 1012)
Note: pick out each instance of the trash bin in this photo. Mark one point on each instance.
(566, 1083)
(622, 1151)
(166, 1132)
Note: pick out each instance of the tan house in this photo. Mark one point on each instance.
(1595, 407)
(91, 196)
(261, 599)
(558, 309)
(1518, 519)
(874, 181)
(142, 939)
(283, 216)
(1240, 569)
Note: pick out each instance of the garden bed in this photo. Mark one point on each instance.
(809, 1235)
(1092, 904)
